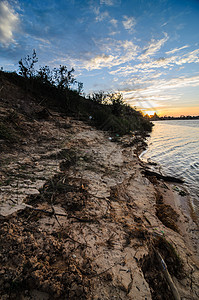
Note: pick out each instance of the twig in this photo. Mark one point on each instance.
(98, 274)
(75, 241)
(147, 220)
(46, 211)
(56, 217)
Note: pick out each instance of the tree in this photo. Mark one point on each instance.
(45, 74)
(117, 103)
(63, 78)
(99, 97)
(155, 117)
(80, 88)
(26, 65)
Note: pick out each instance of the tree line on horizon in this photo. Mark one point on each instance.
(155, 117)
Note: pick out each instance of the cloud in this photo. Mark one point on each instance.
(153, 65)
(99, 61)
(147, 67)
(164, 24)
(190, 57)
(178, 83)
(9, 21)
(107, 2)
(113, 22)
(176, 49)
(112, 33)
(129, 23)
(110, 2)
(153, 47)
(115, 52)
(101, 16)
(158, 93)
(158, 87)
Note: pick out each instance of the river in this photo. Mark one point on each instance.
(174, 146)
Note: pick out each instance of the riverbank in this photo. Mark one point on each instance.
(86, 223)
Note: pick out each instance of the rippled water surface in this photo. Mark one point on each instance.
(175, 146)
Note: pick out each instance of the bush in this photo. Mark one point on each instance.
(53, 88)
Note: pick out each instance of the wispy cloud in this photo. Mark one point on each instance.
(114, 53)
(102, 16)
(158, 94)
(153, 47)
(191, 57)
(176, 49)
(158, 89)
(178, 82)
(99, 61)
(43, 41)
(112, 33)
(113, 22)
(153, 65)
(110, 2)
(147, 67)
(164, 24)
(129, 23)
(9, 21)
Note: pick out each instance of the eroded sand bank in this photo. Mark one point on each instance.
(87, 224)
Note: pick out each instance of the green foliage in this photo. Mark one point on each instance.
(112, 114)
(61, 77)
(53, 88)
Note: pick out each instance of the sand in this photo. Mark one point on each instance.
(79, 220)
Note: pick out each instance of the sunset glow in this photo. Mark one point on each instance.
(175, 112)
(149, 112)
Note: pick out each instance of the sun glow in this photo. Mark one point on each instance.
(149, 112)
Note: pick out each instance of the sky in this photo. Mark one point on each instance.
(146, 49)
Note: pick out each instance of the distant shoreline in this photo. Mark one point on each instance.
(174, 118)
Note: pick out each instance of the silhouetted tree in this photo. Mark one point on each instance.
(63, 78)
(117, 103)
(155, 117)
(99, 97)
(45, 74)
(26, 65)
(80, 88)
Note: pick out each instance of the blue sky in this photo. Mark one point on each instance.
(148, 50)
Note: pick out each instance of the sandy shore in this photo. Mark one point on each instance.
(87, 224)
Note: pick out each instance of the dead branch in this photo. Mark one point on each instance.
(167, 276)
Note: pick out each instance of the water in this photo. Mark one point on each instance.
(174, 145)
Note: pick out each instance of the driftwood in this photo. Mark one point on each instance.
(167, 276)
(165, 178)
